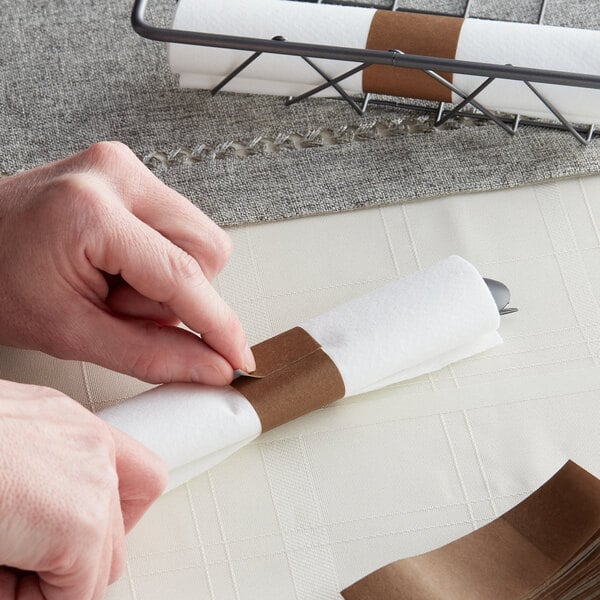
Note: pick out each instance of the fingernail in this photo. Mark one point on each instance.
(250, 363)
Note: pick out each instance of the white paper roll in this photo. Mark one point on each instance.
(412, 326)
(494, 42)
(296, 21)
(533, 46)
(409, 327)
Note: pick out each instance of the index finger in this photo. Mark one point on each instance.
(165, 273)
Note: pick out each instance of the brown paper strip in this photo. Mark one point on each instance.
(519, 555)
(413, 33)
(293, 377)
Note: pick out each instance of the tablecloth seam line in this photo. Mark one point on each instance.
(331, 524)
(131, 583)
(513, 368)
(222, 533)
(588, 207)
(279, 521)
(259, 279)
(315, 546)
(501, 372)
(500, 354)
(565, 227)
(388, 239)
(317, 501)
(458, 471)
(200, 545)
(417, 260)
(86, 386)
(427, 416)
(359, 282)
(479, 459)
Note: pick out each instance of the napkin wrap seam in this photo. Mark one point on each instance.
(293, 377)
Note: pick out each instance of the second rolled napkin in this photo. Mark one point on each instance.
(494, 42)
(410, 327)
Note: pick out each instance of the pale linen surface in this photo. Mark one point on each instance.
(312, 506)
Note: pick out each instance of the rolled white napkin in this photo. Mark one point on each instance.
(539, 47)
(296, 21)
(407, 328)
(524, 45)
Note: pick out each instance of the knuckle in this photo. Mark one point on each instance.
(104, 152)
(99, 435)
(90, 525)
(66, 557)
(79, 530)
(148, 365)
(74, 194)
(74, 186)
(183, 266)
(223, 249)
(223, 242)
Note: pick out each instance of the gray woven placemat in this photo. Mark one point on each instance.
(75, 73)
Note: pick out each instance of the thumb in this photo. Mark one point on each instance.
(142, 477)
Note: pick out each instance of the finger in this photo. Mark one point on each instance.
(159, 206)
(8, 583)
(147, 350)
(124, 300)
(78, 584)
(28, 588)
(106, 558)
(80, 580)
(162, 272)
(119, 553)
(142, 477)
(183, 224)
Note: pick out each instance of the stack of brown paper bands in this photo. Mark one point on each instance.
(547, 547)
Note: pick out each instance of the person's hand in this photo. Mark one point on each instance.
(70, 488)
(99, 261)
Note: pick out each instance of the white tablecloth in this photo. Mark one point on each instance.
(310, 507)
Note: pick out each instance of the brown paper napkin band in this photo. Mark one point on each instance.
(293, 377)
(413, 33)
(518, 555)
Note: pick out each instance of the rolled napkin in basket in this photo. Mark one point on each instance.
(519, 44)
(405, 329)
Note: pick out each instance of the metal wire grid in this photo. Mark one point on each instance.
(394, 57)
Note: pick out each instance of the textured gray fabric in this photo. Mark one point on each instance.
(75, 73)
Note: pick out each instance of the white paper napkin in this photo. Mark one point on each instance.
(296, 21)
(409, 327)
(495, 42)
(541, 47)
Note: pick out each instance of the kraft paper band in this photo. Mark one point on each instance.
(546, 544)
(413, 33)
(293, 377)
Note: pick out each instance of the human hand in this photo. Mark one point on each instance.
(71, 487)
(99, 260)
